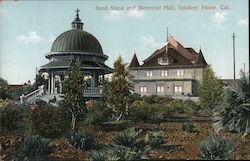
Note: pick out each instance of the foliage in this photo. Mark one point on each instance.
(47, 121)
(151, 99)
(216, 148)
(154, 139)
(133, 98)
(74, 85)
(99, 112)
(11, 117)
(82, 139)
(118, 152)
(141, 110)
(189, 127)
(211, 92)
(3, 88)
(234, 113)
(118, 92)
(128, 146)
(129, 138)
(32, 146)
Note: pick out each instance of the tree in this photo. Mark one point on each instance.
(211, 91)
(119, 89)
(234, 113)
(74, 85)
(3, 88)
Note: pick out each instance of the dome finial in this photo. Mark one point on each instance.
(77, 10)
(77, 24)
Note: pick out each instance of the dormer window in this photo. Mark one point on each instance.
(163, 61)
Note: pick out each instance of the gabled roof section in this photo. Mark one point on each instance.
(134, 62)
(178, 59)
(201, 60)
(178, 53)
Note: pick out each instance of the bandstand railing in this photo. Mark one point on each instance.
(32, 95)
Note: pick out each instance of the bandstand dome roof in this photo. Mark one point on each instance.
(76, 40)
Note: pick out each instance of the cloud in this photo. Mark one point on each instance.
(149, 41)
(243, 22)
(219, 17)
(113, 15)
(136, 13)
(29, 38)
(3, 12)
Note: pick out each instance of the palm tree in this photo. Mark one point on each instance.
(234, 112)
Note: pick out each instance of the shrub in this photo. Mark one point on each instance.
(190, 106)
(154, 139)
(46, 121)
(33, 146)
(176, 106)
(153, 99)
(128, 146)
(119, 152)
(10, 117)
(99, 112)
(129, 138)
(189, 127)
(142, 111)
(82, 139)
(216, 148)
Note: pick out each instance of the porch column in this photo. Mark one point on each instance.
(103, 79)
(49, 88)
(52, 83)
(96, 80)
(60, 84)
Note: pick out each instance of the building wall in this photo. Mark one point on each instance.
(177, 81)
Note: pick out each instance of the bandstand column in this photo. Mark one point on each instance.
(49, 84)
(60, 84)
(52, 83)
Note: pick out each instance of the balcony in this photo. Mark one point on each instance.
(169, 77)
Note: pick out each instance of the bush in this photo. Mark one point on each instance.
(153, 99)
(46, 121)
(189, 127)
(99, 112)
(82, 139)
(190, 106)
(33, 146)
(154, 139)
(11, 117)
(129, 138)
(142, 111)
(216, 148)
(118, 152)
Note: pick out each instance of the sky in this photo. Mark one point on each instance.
(28, 29)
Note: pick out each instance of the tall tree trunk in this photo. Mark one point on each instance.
(73, 121)
(120, 116)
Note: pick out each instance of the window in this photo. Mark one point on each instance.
(149, 73)
(163, 61)
(143, 89)
(180, 72)
(178, 88)
(164, 73)
(160, 89)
